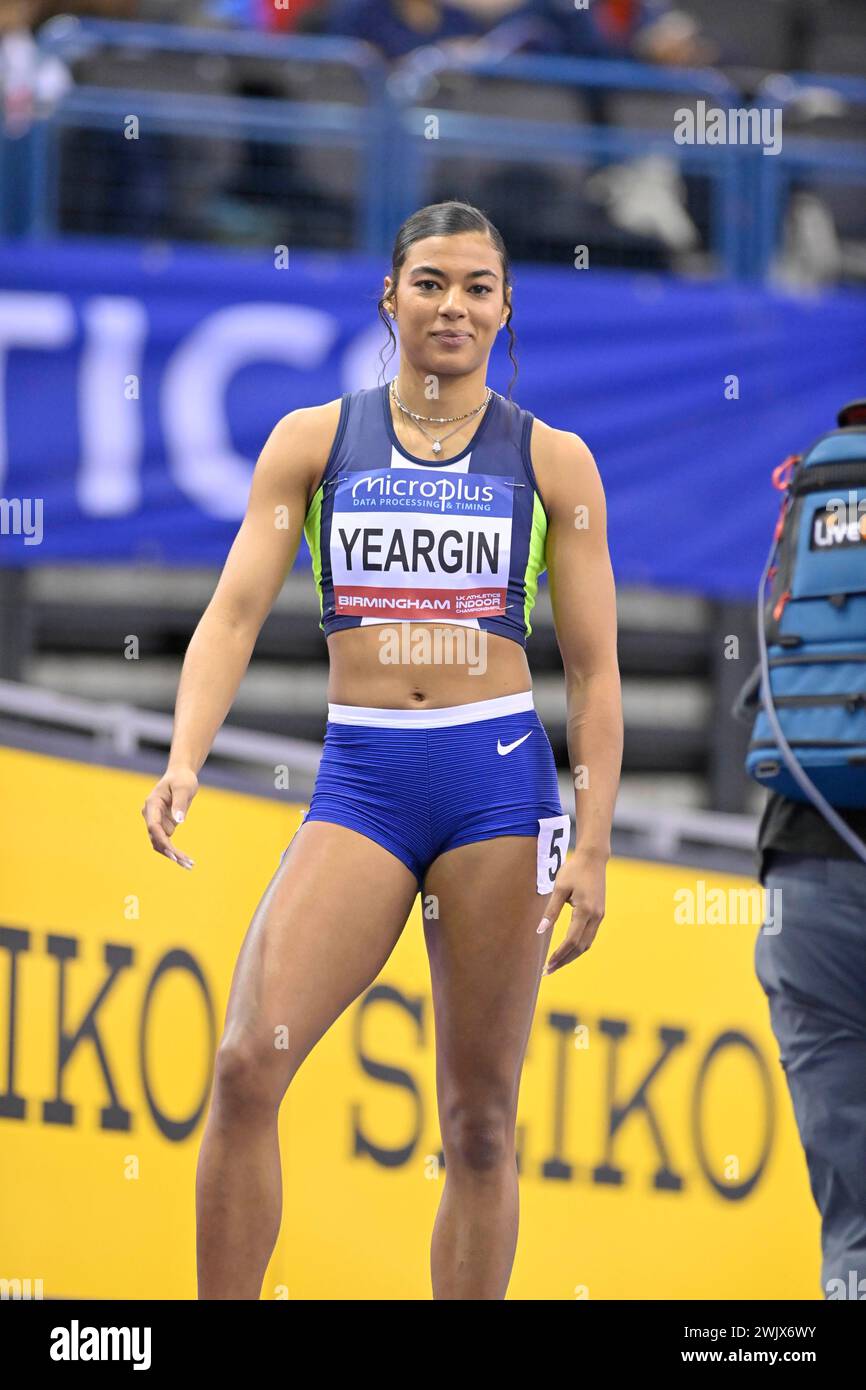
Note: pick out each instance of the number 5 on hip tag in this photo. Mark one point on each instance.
(553, 836)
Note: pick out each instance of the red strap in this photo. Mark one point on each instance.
(782, 482)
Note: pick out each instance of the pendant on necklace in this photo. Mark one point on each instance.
(436, 446)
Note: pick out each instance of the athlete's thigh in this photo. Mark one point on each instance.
(486, 958)
(325, 926)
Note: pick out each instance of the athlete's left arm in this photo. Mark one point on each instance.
(583, 597)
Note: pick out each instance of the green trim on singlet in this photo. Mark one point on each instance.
(536, 562)
(313, 533)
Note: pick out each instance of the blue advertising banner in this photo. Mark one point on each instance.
(139, 383)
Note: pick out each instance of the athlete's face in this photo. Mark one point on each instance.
(450, 302)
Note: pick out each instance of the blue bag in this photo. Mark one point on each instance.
(809, 734)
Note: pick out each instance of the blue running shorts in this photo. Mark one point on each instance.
(420, 782)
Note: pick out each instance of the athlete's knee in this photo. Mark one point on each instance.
(248, 1079)
(478, 1135)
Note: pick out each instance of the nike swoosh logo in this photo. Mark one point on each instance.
(510, 747)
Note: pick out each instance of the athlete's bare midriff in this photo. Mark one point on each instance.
(423, 666)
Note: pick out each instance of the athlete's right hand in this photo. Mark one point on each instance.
(166, 807)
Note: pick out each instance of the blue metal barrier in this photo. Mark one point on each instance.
(355, 127)
(387, 131)
(611, 73)
(820, 160)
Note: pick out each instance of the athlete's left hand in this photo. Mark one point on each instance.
(580, 882)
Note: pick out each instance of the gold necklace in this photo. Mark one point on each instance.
(438, 420)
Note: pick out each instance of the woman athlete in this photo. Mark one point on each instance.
(430, 505)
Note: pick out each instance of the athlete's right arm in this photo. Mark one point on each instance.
(286, 475)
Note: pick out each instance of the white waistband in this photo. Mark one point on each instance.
(431, 718)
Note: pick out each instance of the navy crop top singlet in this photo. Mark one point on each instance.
(396, 538)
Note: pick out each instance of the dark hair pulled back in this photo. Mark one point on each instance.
(446, 219)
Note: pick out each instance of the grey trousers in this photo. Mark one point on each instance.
(811, 963)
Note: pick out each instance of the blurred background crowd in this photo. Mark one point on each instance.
(637, 208)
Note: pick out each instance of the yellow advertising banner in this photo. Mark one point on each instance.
(658, 1152)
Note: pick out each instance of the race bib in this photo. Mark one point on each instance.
(553, 836)
(407, 545)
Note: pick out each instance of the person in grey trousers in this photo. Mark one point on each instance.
(812, 969)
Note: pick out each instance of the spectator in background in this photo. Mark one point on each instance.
(278, 16)
(29, 77)
(31, 13)
(396, 27)
(489, 12)
(647, 197)
(650, 31)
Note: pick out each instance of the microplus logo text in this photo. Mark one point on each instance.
(455, 494)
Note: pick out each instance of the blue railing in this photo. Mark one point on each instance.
(327, 124)
(387, 130)
(801, 157)
(461, 133)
